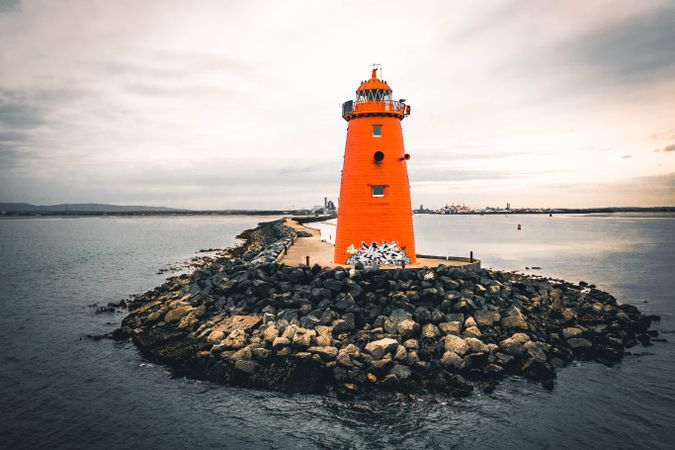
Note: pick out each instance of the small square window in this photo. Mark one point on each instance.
(377, 130)
(378, 191)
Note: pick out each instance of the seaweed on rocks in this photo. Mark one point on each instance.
(245, 320)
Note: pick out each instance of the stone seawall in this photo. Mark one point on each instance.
(245, 320)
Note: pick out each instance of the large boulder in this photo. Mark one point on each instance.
(476, 345)
(472, 332)
(455, 344)
(270, 334)
(177, 313)
(411, 344)
(486, 318)
(452, 361)
(289, 332)
(401, 371)
(579, 343)
(454, 327)
(514, 345)
(571, 332)
(430, 331)
(344, 359)
(408, 328)
(381, 347)
(514, 319)
(470, 322)
(280, 342)
(245, 366)
(536, 350)
(401, 353)
(325, 352)
(351, 349)
(303, 338)
(399, 315)
(215, 337)
(237, 322)
(191, 319)
(235, 340)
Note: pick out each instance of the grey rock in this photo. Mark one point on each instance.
(399, 315)
(401, 371)
(340, 326)
(245, 366)
(536, 350)
(486, 318)
(422, 315)
(579, 343)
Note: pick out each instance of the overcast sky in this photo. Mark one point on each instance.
(236, 104)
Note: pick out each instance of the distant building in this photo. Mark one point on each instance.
(327, 208)
(423, 210)
(459, 208)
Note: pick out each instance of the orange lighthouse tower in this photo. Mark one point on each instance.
(374, 204)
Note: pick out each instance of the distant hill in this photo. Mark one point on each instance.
(80, 207)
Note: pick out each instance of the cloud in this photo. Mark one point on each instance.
(17, 111)
(10, 6)
(666, 135)
(640, 48)
(11, 156)
(18, 117)
(667, 148)
(661, 188)
(592, 148)
(324, 168)
(449, 175)
(436, 155)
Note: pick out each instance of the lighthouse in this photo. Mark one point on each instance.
(374, 211)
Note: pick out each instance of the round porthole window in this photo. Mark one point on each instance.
(378, 156)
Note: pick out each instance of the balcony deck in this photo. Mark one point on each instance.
(394, 108)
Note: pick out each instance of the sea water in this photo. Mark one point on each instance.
(59, 389)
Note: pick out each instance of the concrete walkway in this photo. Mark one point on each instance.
(318, 251)
(322, 252)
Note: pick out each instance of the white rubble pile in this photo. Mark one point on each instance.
(384, 254)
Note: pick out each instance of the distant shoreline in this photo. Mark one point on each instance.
(611, 210)
(305, 214)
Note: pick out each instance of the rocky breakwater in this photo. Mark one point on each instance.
(248, 321)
